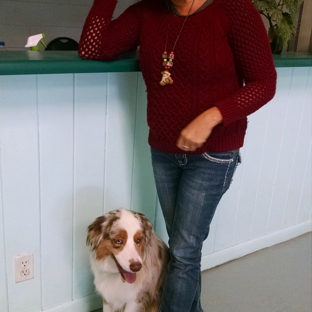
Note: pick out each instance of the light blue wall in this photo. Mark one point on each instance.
(75, 146)
(272, 188)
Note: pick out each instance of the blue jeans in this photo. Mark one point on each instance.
(189, 188)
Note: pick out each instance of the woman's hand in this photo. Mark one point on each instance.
(196, 133)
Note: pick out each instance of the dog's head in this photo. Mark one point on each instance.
(122, 235)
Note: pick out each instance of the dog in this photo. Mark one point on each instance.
(129, 261)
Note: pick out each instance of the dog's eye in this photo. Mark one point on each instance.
(138, 240)
(117, 243)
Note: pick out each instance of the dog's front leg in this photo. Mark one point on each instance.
(107, 307)
(133, 306)
(110, 308)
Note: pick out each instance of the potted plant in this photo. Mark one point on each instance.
(281, 15)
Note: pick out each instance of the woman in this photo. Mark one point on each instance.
(207, 65)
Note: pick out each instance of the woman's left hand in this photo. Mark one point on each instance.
(196, 133)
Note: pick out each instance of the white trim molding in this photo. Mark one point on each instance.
(241, 250)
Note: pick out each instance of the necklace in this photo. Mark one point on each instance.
(167, 60)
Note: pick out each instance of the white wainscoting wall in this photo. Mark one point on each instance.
(74, 146)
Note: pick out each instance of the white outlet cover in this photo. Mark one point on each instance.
(24, 267)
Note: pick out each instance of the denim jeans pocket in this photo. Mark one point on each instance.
(221, 157)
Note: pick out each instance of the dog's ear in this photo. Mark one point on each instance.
(95, 232)
(146, 226)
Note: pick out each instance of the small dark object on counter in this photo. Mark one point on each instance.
(63, 43)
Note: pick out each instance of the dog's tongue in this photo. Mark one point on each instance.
(129, 277)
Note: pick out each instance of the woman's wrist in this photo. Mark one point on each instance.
(195, 134)
(213, 116)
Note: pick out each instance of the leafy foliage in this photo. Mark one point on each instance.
(281, 15)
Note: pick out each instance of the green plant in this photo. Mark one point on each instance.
(281, 15)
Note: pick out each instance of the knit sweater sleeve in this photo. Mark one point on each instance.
(253, 57)
(103, 38)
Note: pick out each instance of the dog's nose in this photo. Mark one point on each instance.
(135, 266)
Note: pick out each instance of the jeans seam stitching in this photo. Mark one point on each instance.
(226, 174)
(216, 160)
(181, 162)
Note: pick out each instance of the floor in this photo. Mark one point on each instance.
(276, 279)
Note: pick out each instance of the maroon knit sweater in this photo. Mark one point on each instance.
(222, 59)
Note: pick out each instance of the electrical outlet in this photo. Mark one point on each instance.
(24, 267)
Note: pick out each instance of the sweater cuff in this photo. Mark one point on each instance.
(228, 111)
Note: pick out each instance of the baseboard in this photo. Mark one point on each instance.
(241, 250)
(88, 303)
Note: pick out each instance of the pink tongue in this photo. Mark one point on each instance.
(129, 277)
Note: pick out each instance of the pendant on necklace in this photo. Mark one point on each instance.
(167, 60)
(167, 64)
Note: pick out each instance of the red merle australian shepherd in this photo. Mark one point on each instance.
(128, 260)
